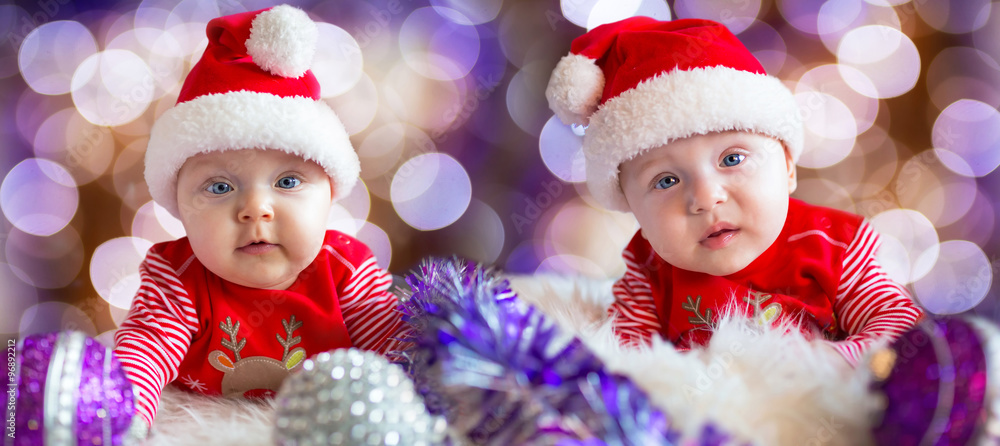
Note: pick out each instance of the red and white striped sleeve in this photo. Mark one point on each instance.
(634, 310)
(869, 306)
(156, 334)
(369, 308)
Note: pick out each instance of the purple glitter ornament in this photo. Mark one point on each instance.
(71, 390)
(934, 382)
(502, 373)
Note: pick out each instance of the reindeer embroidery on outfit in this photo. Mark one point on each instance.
(256, 376)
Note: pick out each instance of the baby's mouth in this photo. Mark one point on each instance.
(719, 236)
(257, 248)
(719, 232)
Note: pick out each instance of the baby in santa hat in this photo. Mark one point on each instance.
(688, 133)
(250, 160)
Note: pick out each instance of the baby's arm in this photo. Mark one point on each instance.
(369, 308)
(634, 310)
(869, 304)
(157, 333)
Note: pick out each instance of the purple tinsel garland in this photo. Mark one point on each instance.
(502, 373)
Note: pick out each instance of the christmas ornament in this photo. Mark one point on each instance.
(502, 373)
(934, 380)
(353, 397)
(71, 390)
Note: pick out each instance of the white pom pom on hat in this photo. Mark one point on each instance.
(283, 41)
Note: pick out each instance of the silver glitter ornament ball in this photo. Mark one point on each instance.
(353, 397)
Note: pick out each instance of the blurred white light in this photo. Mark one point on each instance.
(171, 224)
(475, 13)
(916, 241)
(381, 149)
(971, 130)
(160, 50)
(925, 185)
(356, 107)
(431, 191)
(830, 130)
(828, 79)
(562, 151)
(657, 9)
(427, 103)
(573, 227)
(439, 43)
(147, 224)
(958, 281)
(837, 18)
(113, 87)
(114, 269)
(200, 11)
(155, 14)
(51, 53)
(358, 202)
(827, 116)
(526, 98)
(338, 63)
(340, 219)
(608, 11)
(49, 317)
(378, 241)
(570, 265)
(737, 15)
(577, 11)
(885, 55)
(34, 178)
(85, 149)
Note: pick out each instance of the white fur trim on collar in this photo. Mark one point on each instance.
(246, 120)
(678, 104)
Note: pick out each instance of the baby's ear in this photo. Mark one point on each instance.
(792, 177)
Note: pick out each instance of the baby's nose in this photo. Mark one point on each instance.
(257, 207)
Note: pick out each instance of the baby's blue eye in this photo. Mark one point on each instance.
(289, 182)
(733, 159)
(219, 188)
(666, 182)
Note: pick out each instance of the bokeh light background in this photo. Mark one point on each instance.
(460, 153)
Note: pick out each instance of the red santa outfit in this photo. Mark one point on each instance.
(821, 273)
(252, 89)
(640, 84)
(216, 337)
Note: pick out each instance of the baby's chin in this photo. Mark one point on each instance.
(717, 267)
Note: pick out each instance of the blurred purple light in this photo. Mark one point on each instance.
(438, 47)
(971, 130)
(51, 53)
(34, 178)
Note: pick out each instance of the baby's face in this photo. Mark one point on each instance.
(711, 203)
(254, 217)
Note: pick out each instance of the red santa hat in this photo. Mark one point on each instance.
(251, 89)
(641, 83)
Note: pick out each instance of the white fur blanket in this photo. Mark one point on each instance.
(758, 384)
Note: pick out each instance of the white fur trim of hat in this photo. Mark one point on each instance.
(679, 104)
